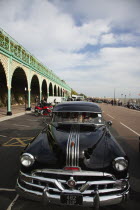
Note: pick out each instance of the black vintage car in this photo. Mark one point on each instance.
(74, 160)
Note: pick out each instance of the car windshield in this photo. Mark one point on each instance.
(77, 117)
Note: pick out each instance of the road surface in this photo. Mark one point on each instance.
(17, 132)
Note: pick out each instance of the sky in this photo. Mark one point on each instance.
(94, 45)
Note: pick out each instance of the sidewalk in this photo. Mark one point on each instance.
(17, 110)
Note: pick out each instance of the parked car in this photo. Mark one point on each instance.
(133, 106)
(75, 160)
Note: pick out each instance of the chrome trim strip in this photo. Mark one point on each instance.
(30, 191)
(58, 184)
(64, 181)
(66, 172)
(67, 152)
(52, 180)
(78, 148)
(72, 151)
(75, 149)
(34, 185)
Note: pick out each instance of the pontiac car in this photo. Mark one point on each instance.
(75, 160)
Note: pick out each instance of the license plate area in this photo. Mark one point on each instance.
(71, 199)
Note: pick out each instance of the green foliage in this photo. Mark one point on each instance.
(73, 92)
(81, 94)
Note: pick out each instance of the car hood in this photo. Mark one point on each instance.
(84, 146)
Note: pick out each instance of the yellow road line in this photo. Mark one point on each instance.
(23, 141)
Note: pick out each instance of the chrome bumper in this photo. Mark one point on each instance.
(89, 197)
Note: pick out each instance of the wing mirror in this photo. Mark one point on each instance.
(109, 123)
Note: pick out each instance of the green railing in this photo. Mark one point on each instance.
(12, 47)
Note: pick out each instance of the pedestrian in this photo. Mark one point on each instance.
(42, 102)
(36, 100)
(45, 101)
(112, 102)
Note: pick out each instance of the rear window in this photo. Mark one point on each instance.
(77, 117)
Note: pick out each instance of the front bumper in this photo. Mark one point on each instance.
(32, 187)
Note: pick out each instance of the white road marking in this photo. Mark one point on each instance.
(22, 125)
(110, 116)
(130, 129)
(3, 136)
(13, 202)
(10, 190)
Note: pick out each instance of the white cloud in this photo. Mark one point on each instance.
(108, 39)
(69, 37)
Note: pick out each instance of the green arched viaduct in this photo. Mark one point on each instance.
(20, 71)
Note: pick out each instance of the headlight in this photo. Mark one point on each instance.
(27, 159)
(120, 164)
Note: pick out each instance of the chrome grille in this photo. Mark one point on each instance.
(86, 183)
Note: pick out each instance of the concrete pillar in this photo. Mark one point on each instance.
(9, 112)
(40, 95)
(47, 94)
(29, 100)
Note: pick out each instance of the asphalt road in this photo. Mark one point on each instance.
(17, 132)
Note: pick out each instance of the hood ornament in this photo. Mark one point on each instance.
(71, 182)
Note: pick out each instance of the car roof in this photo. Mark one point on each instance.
(77, 106)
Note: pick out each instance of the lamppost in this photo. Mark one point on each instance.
(121, 98)
(114, 97)
(25, 97)
(125, 98)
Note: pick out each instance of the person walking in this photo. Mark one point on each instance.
(112, 102)
(42, 101)
(36, 100)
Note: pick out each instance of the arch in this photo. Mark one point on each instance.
(61, 91)
(55, 91)
(35, 76)
(3, 86)
(50, 89)
(58, 91)
(18, 84)
(44, 89)
(4, 63)
(16, 66)
(35, 87)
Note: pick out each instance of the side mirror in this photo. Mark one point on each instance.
(109, 123)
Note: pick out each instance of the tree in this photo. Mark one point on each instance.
(73, 92)
(81, 94)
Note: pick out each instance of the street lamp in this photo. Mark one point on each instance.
(25, 97)
(114, 97)
(122, 99)
(125, 98)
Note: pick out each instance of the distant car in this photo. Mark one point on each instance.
(74, 160)
(99, 101)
